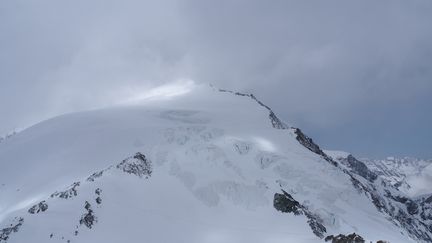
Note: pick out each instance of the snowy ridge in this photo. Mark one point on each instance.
(275, 121)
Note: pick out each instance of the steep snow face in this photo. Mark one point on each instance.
(206, 166)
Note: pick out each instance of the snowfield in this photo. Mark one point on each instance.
(205, 166)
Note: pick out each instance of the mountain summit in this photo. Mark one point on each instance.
(208, 165)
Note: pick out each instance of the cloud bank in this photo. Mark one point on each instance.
(349, 72)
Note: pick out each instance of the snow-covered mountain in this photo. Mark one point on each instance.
(410, 175)
(209, 165)
(396, 179)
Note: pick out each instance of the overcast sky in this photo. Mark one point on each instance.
(355, 75)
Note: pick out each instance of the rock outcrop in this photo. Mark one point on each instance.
(285, 203)
(137, 165)
(351, 238)
(40, 207)
(13, 228)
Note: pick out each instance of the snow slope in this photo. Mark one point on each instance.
(205, 166)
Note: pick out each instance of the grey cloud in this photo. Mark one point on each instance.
(321, 64)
